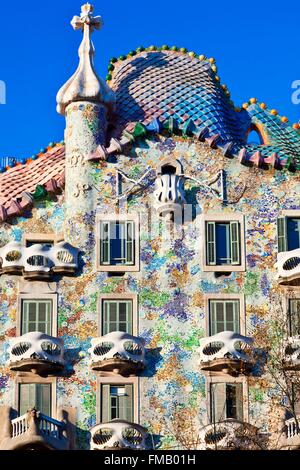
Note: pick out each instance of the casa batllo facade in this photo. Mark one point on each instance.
(150, 265)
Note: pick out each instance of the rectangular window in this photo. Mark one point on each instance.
(224, 315)
(226, 401)
(288, 229)
(294, 317)
(116, 316)
(223, 245)
(36, 396)
(117, 243)
(36, 315)
(116, 402)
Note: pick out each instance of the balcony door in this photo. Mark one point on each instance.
(224, 315)
(35, 395)
(116, 402)
(36, 316)
(226, 401)
(116, 316)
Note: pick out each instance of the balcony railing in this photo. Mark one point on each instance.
(227, 351)
(38, 261)
(118, 352)
(35, 430)
(118, 435)
(229, 434)
(288, 267)
(292, 353)
(292, 430)
(36, 352)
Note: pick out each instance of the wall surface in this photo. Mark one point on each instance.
(171, 284)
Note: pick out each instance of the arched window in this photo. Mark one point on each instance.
(254, 136)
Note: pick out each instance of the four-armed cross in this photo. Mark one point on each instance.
(87, 19)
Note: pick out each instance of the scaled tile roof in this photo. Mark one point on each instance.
(160, 89)
(20, 185)
(159, 84)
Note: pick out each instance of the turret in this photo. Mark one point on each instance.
(86, 101)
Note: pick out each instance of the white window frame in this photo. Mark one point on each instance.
(35, 295)
(132, 297)
(225, 218)
(118, 218)
(219, 377)
(287, 214)
(239, 297)
(115, 381)
(31, 378)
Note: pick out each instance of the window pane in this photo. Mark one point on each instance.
(117, 316)
(224, 316)
(294, 317)
(37, 316)
(223, 243)
(35, 396)
(293, 229)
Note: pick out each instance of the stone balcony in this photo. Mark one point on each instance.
(226, 352)
(118, 353)
(292, 353)
(293, 432)
(36, 352)
(288, 267)
(38, 261)
(169, 195)
(229, 434)
(33, 431)
(118, 435)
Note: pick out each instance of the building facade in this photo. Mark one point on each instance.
(150, 265)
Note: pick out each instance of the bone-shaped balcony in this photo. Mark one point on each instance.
(118, 352)
(292, 353)
(118, 435)
(38, 261)
(38, 353)
(229, 434)
(34, 431)
(288, 267)
(226, 352)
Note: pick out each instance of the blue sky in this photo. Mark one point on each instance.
(255, 44)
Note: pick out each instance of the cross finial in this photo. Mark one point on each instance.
(86, 19)
(85, 85)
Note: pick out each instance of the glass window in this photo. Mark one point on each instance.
(36, 396)
(224, 315)
(116, 316)
(36, 316)
(294, 317)
(117, 243)
(223, 243)
(117, 402)
(288, 233)
(226, 401)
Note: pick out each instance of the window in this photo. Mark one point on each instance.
(33, 395)
(116, 402)
(224, 315)
(36, 315)
(118, 245)
(288, 233)
(294, 317)
(254, 137)
(116, 316)
(223, 245)
(226, 401)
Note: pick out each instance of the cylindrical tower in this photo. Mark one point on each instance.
(85, 100)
